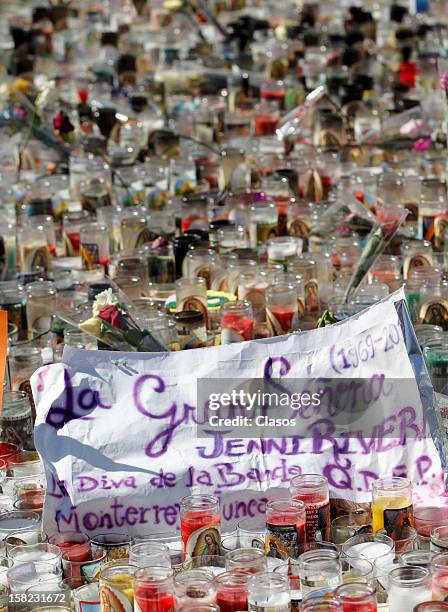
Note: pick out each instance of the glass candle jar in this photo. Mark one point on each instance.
(231, 237)
(285, 528)
(392, 504)
(160, 261)
(313, 490)
(74, 545)
(16, 420)
(371, 546)
(117, 584)
(263, 218)
(324, 603)
(41, 303)
(191, 329)
(8, 253)
(439, 539)
(281, 309)
(408, 586)
(194, 213)
(432, 606)
(306, 265)
(146, 554)
(231, 591)
(25, 463)
(33, 574)
(387, 270)
(415, 254)
(436, 359)
(281, 248)
(23, 362)
(94, 246)
(319, 569)
(237, 322)
(33, 249)
(249, 560)
(439, 572)
(268, 591)
(115, 545)
(416, 558)
(191, 294)
(134, 229)
(201, 263)
(196, 586)
(22, 524)
(72, 222)
(200, 524)
(181, 246)
(154, 589)
(13, 300)
(357, 596)
(42, 552)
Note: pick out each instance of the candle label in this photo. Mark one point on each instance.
(90, 255)
(440, 227)
(434, 312)
(261, 232)
(396, 519)
(113, 551)
(113, 599)
(204, 541)
(317, 519)
(194, 303)
(284, 540)
(300, 229)
(419, 260)
(311, 296)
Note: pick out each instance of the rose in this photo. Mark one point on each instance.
(111, 315)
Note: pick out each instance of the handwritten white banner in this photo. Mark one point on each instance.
(118, 431)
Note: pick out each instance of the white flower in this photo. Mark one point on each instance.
(103, 299)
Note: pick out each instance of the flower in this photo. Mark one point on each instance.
(111, 315)
(62, 123)
(92, 326)
(422, 144)
(105, 298)
(444, 82)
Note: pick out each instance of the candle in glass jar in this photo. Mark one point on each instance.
(237, 322)
(117, 587)
(231, 591)
(408, 586)
(154, 589)
(357, 596)
(268, 592)
(392, 504)
(285, 528)
(313, 490)
(200, 525)
(281, 309)
(75, 546)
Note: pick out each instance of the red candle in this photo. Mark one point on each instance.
(32, 499)
(231, 591)
(283, 316)
(149, 599)
(74, 551)
(75, 241)
(154, 589)
(356, 597)
(200, 525)
(265, 125)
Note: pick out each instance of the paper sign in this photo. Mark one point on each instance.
(123, 438)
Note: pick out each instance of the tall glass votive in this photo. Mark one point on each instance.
(231, 591)
(392, 504)
(154, 589)
(191, 294)
(281, 309)
(249, 560)
(263, 218)
(40, 305)
(313, 490)
(24, 525)
(16, 425)
(439, 572)
(117, 583)
(40, 552)
(23, 576)
(319, 569)
(200, 516)
(285, 528)
(72, 222)
(25, 463)
(268, 590)
(356, 596)
(148, 554)
(94, 246)
(231, 237)
(282, 248)
(408, 586)
(371, 546)
(324, 603)
(237, 321)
